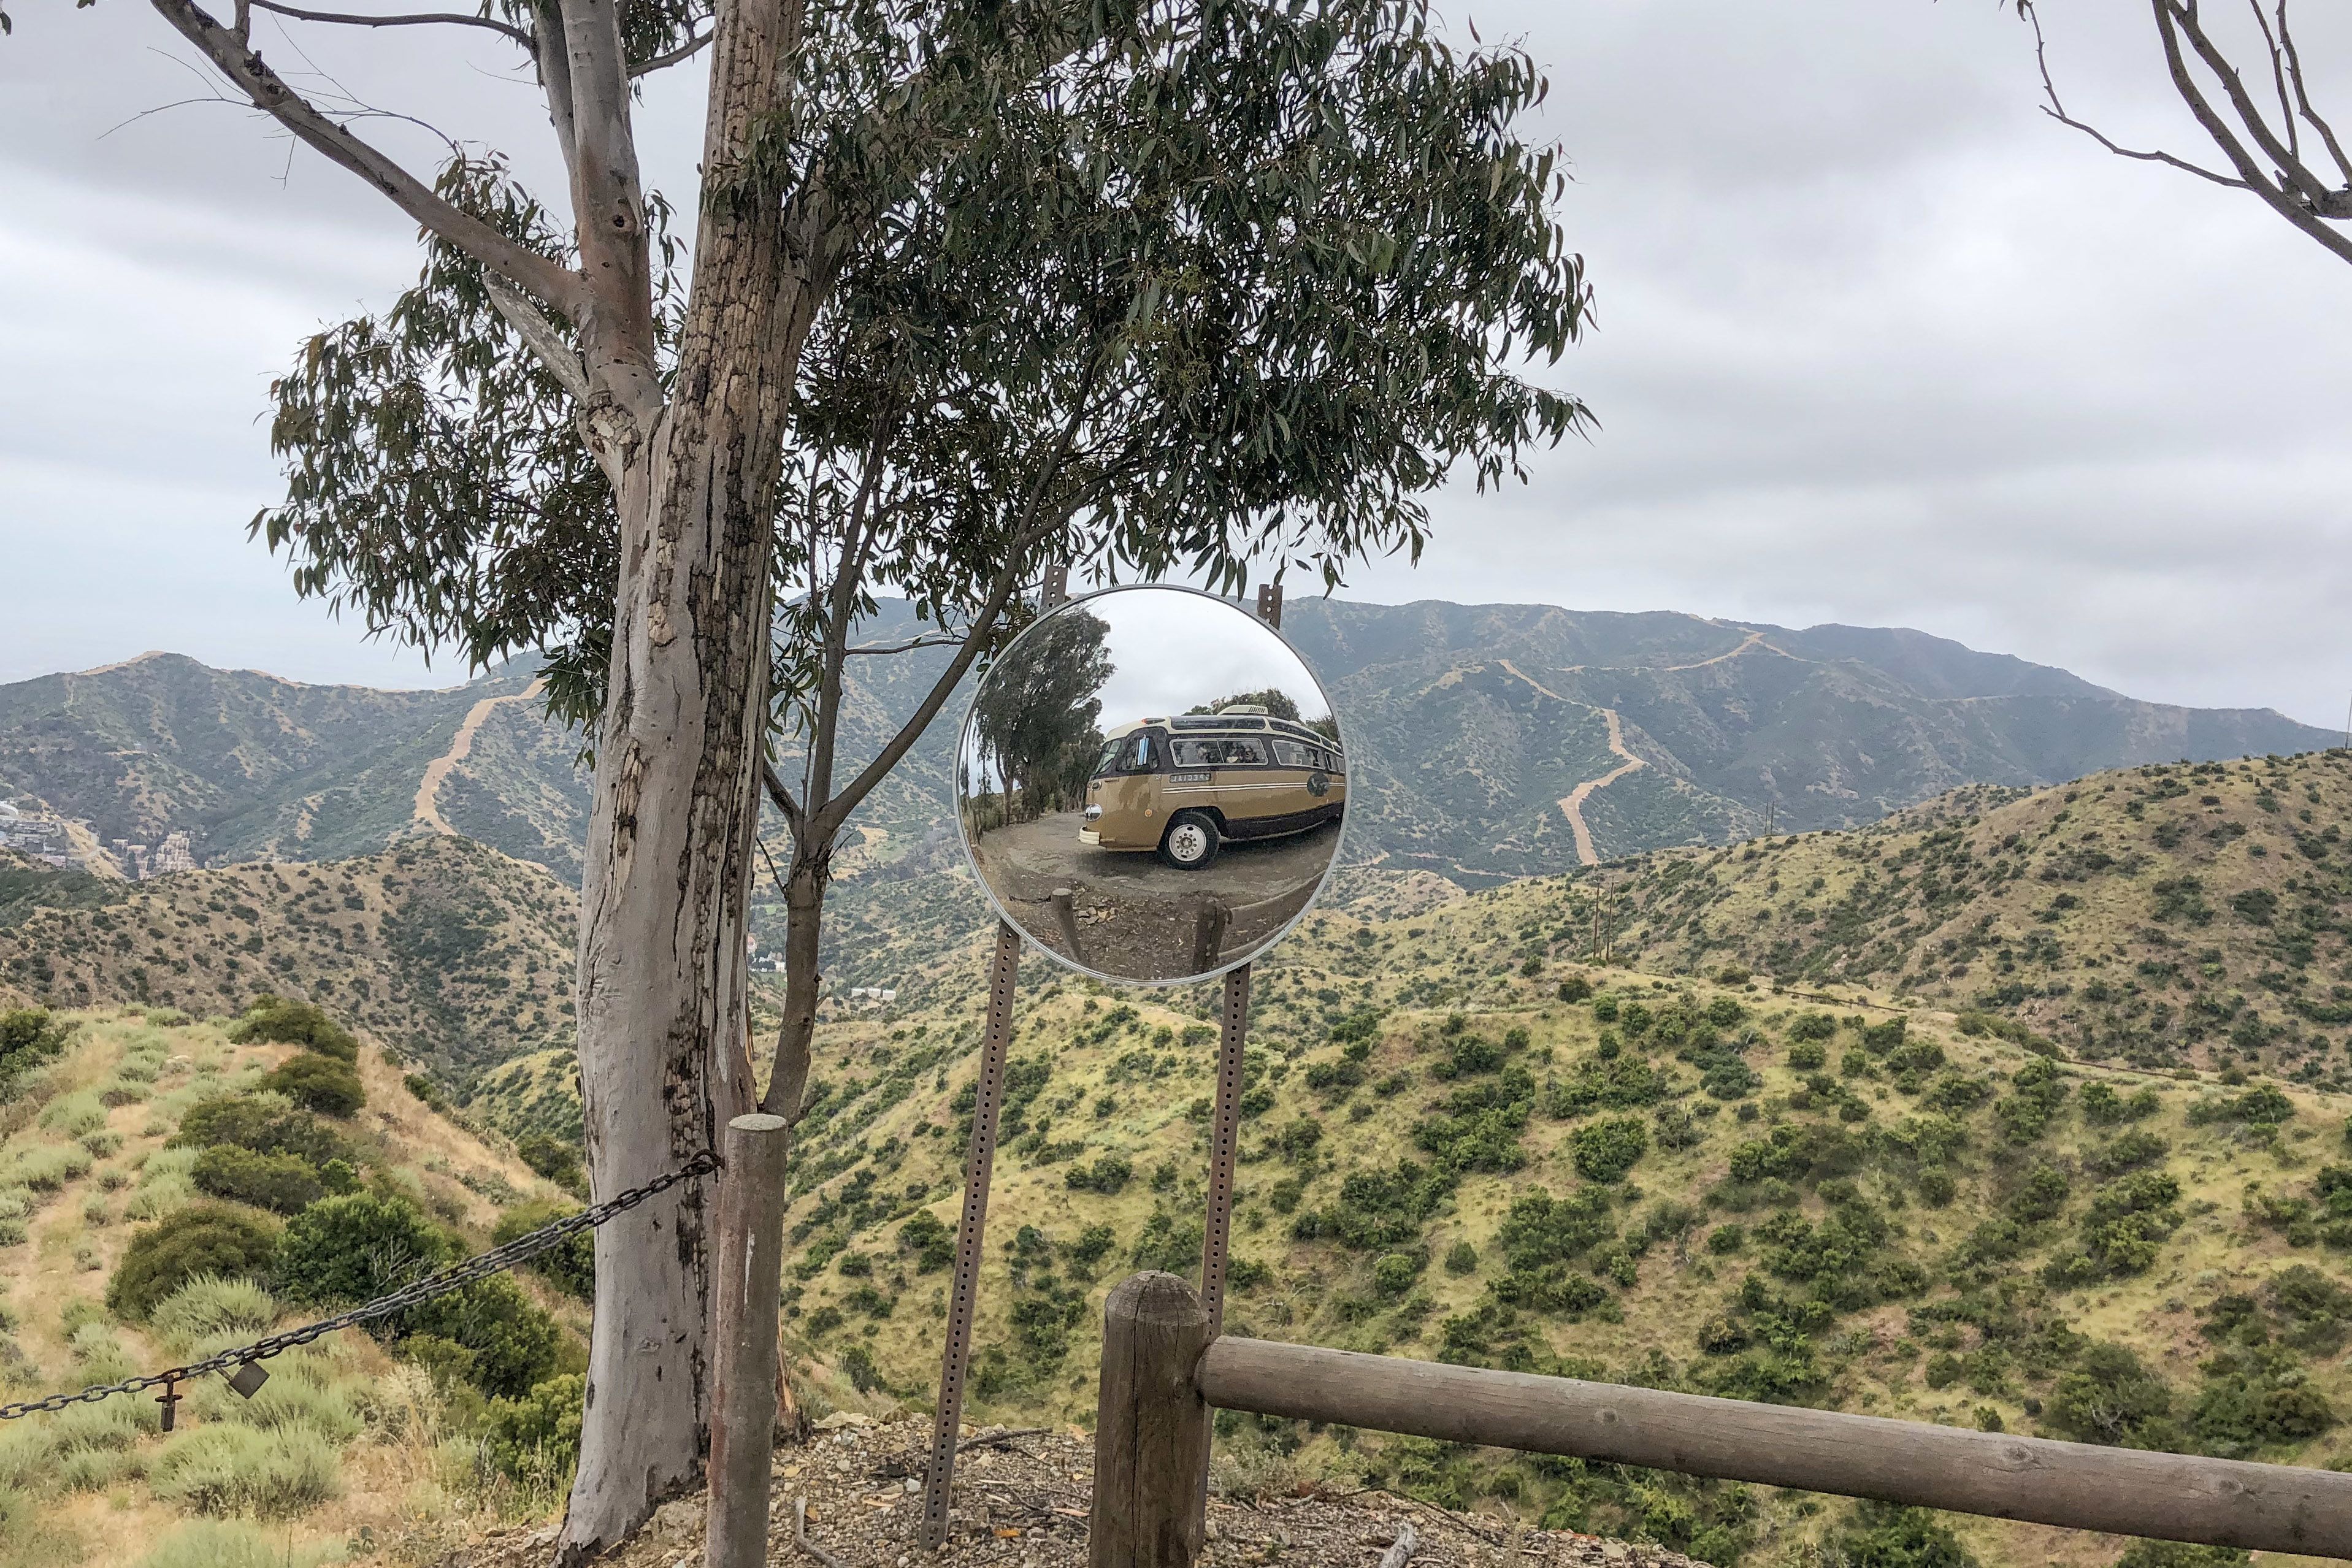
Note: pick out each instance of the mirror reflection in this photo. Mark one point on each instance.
(1150, 784)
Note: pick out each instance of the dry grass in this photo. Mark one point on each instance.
(346, 1451)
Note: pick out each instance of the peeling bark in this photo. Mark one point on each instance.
(667, 880)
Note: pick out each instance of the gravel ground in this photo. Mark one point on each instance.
(1021, 1502)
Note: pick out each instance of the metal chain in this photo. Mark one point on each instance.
(497, 1260)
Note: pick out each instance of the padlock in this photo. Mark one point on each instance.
(170, 1400)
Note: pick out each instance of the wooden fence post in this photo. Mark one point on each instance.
(1209, 923)
(747, 1276)
(1066, 918)
(1151, 1428)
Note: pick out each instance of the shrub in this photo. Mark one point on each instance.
(2128, 1219)
(1461, 1258)
(356, 1246)
(1395, 1274)
(1807, 1055)
(271, 1018)
(72, 1115)
(2102, 1106)
(1886, 1535)
(535, 1438)
(554, 1160)
(1107, 1175)
(233, 1543)
(1606, 1149)
(2179, 1554)
(2262, 1105)
(232, 1468)
(285, 1184)
(266, 1123)
(1169, 1242)
(1088, 1250)
(571, 1265)
(1575, 988)
(28, 1036)
(210, 1305)
(321, 1083)
(933, 1244)
(202, 1238)
(2037, 1092)
(45, 1167)
(2109, 1397)
(513, 1341)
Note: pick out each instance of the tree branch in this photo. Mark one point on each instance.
(344, 19)
(234, 58)
(782, 797)
(540, 336)
(907, 647)
(608, 206)
(2057, 111)
(2286, 204)
(2288, 171)
(678, 55)
(837, 811)
(2303, 97)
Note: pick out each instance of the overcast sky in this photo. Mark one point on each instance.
(1172, 652)
(1877, 343)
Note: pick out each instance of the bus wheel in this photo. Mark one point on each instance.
(1189, 842)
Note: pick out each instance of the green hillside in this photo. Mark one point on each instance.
(445, 950)
(1788, 1146)
(162, 1199)
(253, 766)
(1677, 1183)
(2198, 913)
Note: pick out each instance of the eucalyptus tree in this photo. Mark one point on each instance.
(1145, 286)
(1041, 707)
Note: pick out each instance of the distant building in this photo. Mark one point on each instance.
(40, 837)
(173, 854)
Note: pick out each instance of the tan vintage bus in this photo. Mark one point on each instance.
(1183, 785)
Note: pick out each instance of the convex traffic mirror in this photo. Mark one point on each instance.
(1150, 784)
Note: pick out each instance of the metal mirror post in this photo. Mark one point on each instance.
(1150, 788)
(972, 1229)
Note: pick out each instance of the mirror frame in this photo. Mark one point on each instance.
(963, 835)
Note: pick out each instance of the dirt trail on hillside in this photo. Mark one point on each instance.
(1753, 638)
(427, 811)
(1571, 805)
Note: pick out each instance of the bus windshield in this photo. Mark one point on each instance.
(1128, 754)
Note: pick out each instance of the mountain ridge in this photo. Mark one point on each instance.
(1470, 725)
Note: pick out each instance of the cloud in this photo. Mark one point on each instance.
(1877, 342)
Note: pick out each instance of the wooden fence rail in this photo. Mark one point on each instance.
(2172, 1497)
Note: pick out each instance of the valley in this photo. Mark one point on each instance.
(2018, 1104)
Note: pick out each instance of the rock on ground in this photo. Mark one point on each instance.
(1020, 1501)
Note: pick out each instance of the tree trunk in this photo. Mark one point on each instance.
(661, 985)
(803, 930)
(667, 878)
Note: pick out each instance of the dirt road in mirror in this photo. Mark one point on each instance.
(1137, 917)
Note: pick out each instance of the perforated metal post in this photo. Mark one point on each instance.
(964, 1292)
(1269, 604)
(1216, 1230)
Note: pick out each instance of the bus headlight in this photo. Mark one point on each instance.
(1094, 813)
